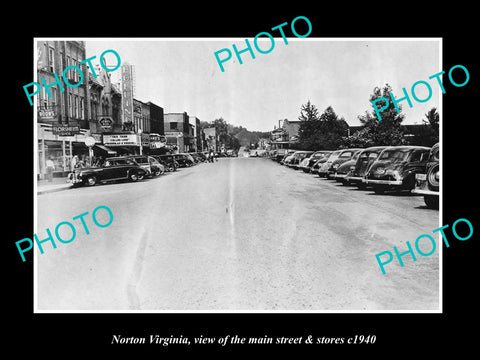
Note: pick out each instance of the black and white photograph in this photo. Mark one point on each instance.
(268, 183)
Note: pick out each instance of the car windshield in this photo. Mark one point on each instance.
(394, 155)
(334, 155)
(346, 154)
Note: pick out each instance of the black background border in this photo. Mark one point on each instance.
(90, 334)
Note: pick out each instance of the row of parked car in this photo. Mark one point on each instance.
(133, 168)
(382, 168)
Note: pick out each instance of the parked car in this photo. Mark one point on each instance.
(319, 163)
(280, 154)
(427, 183)
(298, 156)
(198, 157)
(272, 154)
(184, 160)
(168, 161)
(257, 152)
(395, 168)
(365, 160)
(149, 163)
(157, 168)
(344, 156)
(346, 168)
(309, 161)
(287, 157)
(323, 170)
(113, 169)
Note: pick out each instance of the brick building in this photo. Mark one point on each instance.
(177, 131)
(63, 113)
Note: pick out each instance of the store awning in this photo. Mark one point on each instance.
(106, 149)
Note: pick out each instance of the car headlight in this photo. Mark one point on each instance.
(335, 166)
(352, 168)
(380, 171)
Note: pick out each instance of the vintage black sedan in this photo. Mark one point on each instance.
(297, 158)
(308, 162)
(427, 183)
(168, 161)
(364, 161)
(395, 168)
(184, 160)
(113, 169)
(345, 169)
(344, 156)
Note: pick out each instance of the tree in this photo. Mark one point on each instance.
(432, 121)
(308, 112)
(320, 132)
(388, 131)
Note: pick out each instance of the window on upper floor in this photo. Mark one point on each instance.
(75, 106)
(82, 108)
(51, 59)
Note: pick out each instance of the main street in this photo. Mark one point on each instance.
(238, 234)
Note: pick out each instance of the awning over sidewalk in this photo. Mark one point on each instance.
(106, 149)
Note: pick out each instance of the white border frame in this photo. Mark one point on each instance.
(229, 311)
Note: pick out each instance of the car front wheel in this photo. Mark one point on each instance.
(91, 180)
(133, 177)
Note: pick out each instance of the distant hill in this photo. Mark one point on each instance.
(246, 137)
(243, 135)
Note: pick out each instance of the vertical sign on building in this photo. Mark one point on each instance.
(127, 92)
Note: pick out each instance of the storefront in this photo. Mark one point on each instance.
(60, 149)
(124, 144)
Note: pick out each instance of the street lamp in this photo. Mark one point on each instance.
(141, 143)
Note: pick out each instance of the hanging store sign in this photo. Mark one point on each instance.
(65, 130)
(121, 140)
(46, 114)
(145, 140)
(105, 123)
(157, 141)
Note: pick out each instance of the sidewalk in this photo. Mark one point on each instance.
(57, 184)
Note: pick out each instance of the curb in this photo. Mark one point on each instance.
(60, 188)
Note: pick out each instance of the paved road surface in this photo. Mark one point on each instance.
(239, 234)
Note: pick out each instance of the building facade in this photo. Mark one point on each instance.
(196, 141)
(286, 135)
(62, 110)
(156, 119)
(177, 131)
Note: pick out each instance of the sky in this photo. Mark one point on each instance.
(183, 75)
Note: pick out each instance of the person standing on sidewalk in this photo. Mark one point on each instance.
(74, 162)
(50, 166)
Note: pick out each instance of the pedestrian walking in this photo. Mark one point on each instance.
(50, 166)
(73, 162)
